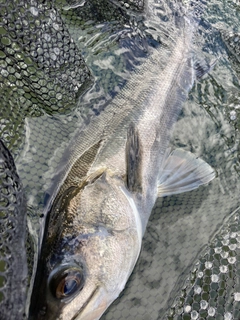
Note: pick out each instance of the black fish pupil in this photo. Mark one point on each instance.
(70, 287)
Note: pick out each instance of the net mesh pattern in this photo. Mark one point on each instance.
(42, 70)
(212, 290)
(13, 266)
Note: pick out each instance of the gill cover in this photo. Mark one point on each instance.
(62, 281)
(91, 243)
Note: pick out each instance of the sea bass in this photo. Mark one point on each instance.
(115, 169)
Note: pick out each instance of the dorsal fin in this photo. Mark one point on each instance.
(133, 160)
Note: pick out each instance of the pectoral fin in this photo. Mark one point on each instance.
(203, 67)
(133, 160)
(182, 171)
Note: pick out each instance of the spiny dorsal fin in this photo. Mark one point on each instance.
(133, 160)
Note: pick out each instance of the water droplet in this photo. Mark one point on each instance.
(187, 309)
(218, 249)
(4, 73)
(208, 264)
(34, 54)
(237, 296)
(194, 315)
(233, 235)
(59, 96)
(52, 16)
(197, 289)
(53, 56)
(76, 88)
(227, 316)
(211, 311)
(56, 50)
(203, 304)
(25, 23)
(232, 246)
(214, 278)
(225, 242)
(40, 51)
(73, 74)
(223, 269)
(34, 11)
(232, 260)
(56, 26)
(47, 37)
(233, 115)
(224, 254)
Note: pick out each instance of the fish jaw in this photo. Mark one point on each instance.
(97, 303)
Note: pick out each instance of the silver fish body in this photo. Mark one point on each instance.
(100, 206)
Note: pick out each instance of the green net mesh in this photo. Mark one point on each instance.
(13, 261)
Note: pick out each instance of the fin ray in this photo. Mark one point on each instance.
(133, 160)
(182, 171)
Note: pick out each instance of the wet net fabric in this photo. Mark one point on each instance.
(212, 289)
(13, 259)
(51, 54)
(42, 71)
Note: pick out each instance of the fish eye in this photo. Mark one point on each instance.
(65, 283)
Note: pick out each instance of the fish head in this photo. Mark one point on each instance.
(87, 258)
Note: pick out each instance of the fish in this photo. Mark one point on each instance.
(114, 170)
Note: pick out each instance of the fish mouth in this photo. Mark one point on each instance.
(94, 306)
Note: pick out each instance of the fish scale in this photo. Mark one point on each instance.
(120, 108)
